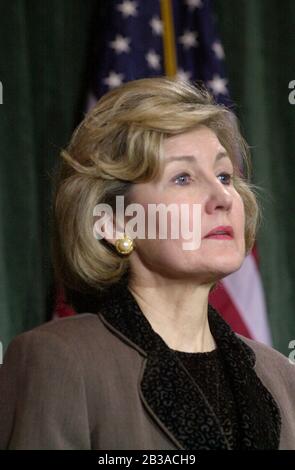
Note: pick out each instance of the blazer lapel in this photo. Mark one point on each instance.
(174, 399)
(259, 415)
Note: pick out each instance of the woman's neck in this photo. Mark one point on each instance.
(177, 312)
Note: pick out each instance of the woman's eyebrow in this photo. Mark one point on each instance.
(192, 159)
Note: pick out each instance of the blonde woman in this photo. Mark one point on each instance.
(155, 367)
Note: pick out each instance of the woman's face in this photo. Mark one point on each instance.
(199, 179)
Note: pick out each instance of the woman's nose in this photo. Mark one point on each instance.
(218, 197)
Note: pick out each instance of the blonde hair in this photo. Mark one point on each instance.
(118, 144)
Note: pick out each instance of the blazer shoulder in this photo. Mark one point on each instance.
(63, 336)
(66, 329)
(82, 336)
(45, 359)
(270, 358)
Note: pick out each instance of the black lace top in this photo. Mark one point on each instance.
(207, 369)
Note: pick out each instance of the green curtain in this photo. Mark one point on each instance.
(45, 55)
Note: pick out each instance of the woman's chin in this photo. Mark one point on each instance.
(220, 266)
(228, 265)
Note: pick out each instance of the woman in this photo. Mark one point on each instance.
(155, 367)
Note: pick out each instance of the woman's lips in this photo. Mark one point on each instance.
(222, 232)
(223, 236)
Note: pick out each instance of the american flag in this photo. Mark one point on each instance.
(148, 38)
(131, 44)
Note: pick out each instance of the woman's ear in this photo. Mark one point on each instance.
(108, 228)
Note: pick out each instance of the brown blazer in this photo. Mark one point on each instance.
(108, 381)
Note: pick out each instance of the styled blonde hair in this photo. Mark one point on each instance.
(118, 144)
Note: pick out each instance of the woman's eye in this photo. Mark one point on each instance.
(182, 179)
(227, 178)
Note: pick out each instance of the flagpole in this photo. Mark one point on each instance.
(170, 60)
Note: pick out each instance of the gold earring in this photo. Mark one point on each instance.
(124, 245)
